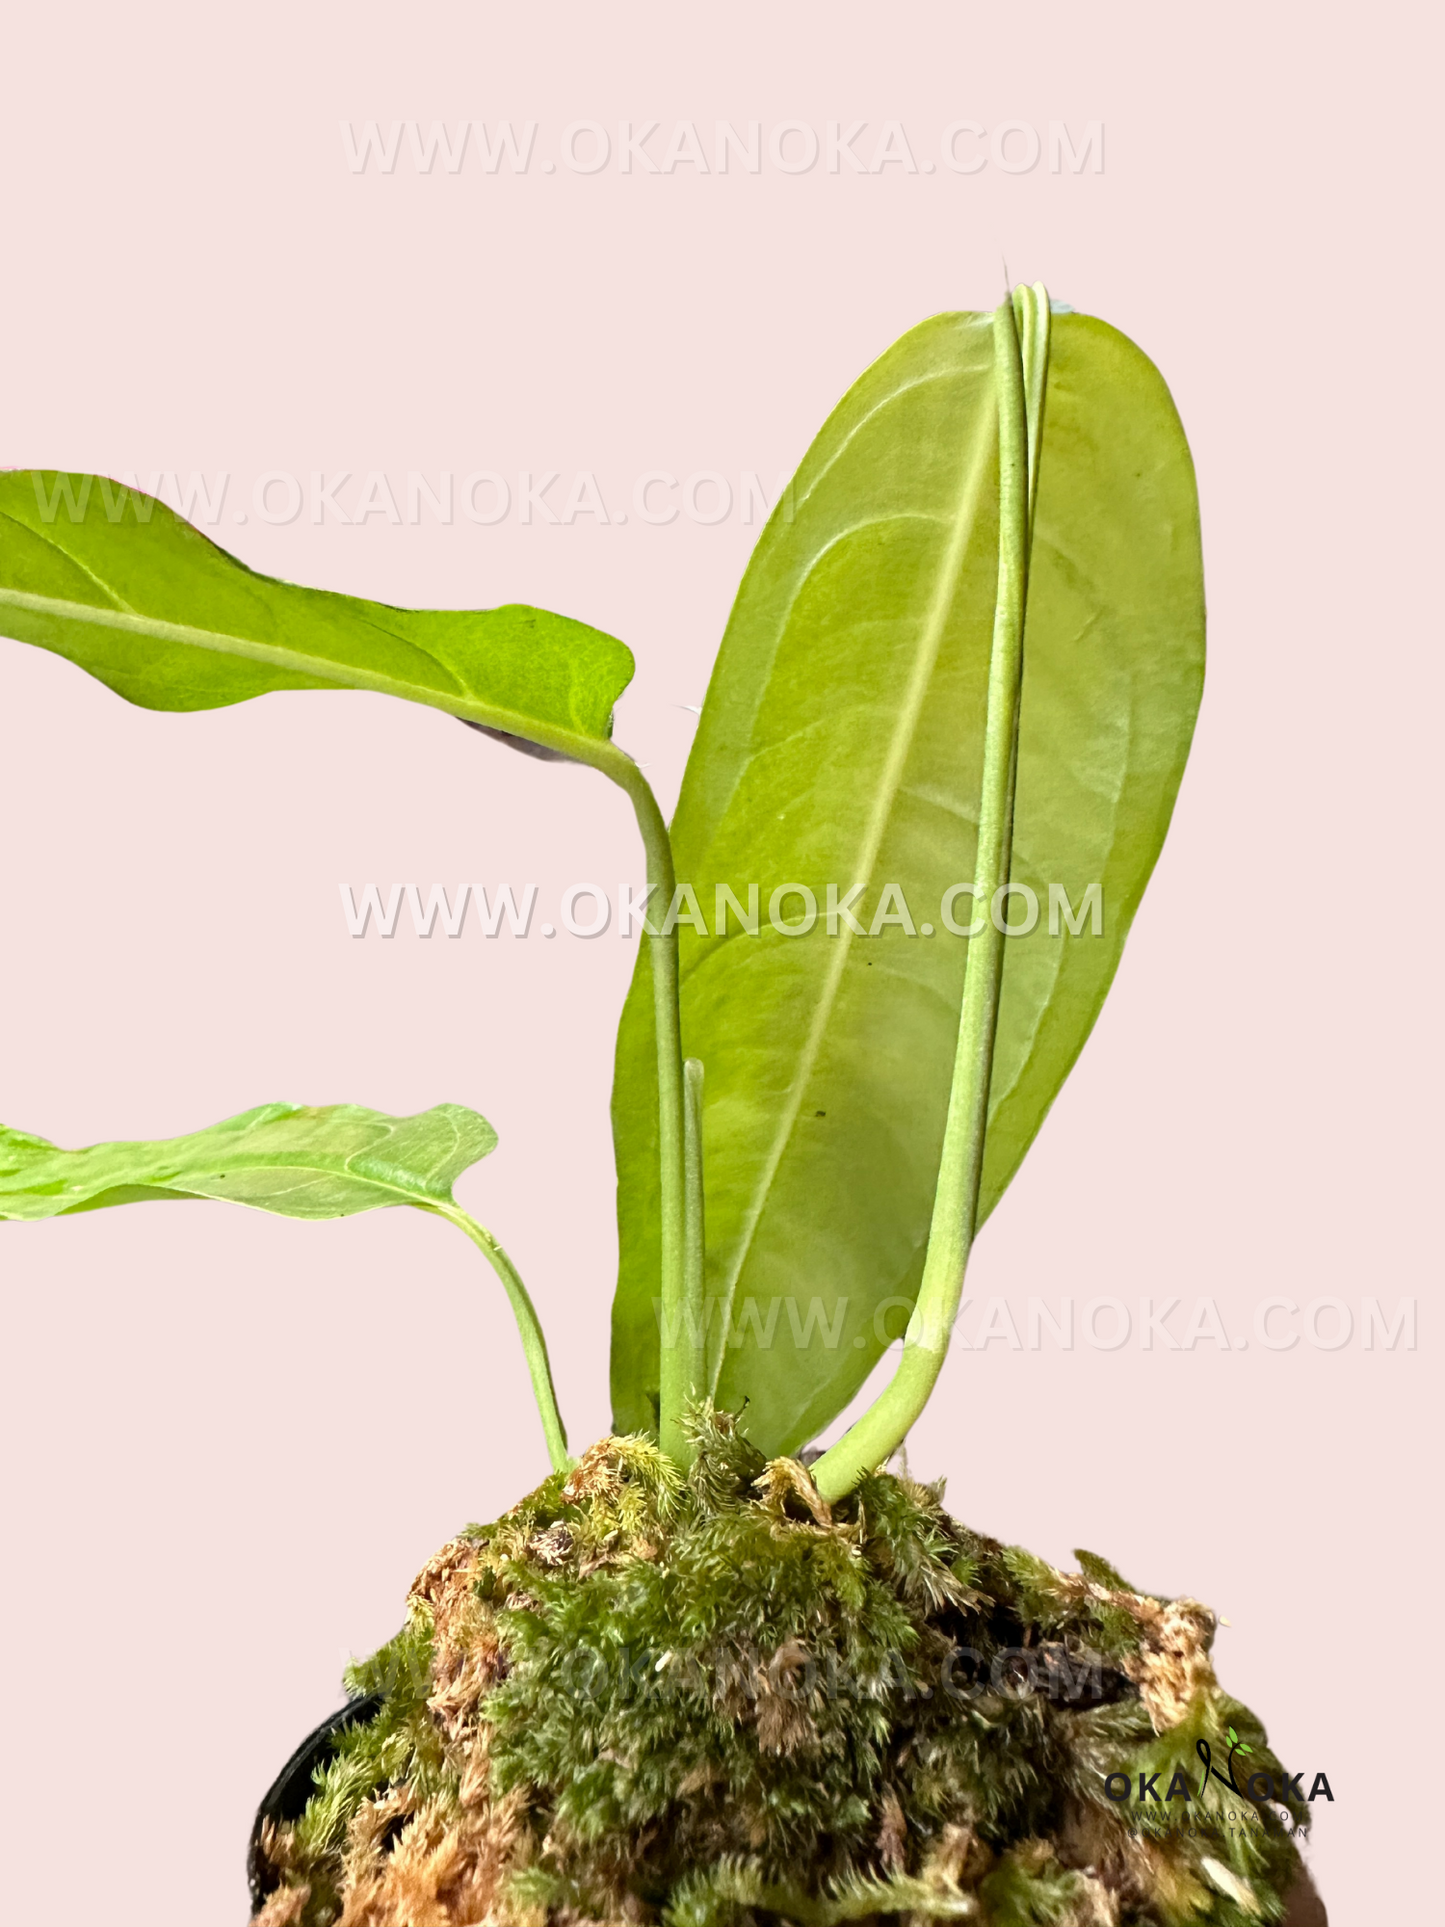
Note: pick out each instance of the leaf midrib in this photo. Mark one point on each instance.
(250, 1159)
(801, 500)
(183, 1183)
(925, 659)
(324, 669)
(68, 555)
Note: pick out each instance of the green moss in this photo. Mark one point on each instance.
(713, 1703)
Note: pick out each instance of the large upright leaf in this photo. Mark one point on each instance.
(299, 1161)
(841, 743)
(116, 582)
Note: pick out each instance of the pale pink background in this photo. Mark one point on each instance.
(230, 1440)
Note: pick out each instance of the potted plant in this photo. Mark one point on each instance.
(707, 1673)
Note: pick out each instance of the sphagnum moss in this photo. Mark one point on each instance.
(715, 1701)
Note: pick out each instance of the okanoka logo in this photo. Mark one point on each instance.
(1229, 1765)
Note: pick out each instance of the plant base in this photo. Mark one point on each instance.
(715, 1701)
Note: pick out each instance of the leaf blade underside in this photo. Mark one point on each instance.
(297, 1161)
(168, 620)
(841, 741)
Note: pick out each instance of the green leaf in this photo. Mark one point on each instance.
(114, 581)
(296, 1161)
(300, 1162)
(841, 742)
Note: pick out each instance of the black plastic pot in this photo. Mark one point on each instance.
(286, 1797)
(1306, 1909)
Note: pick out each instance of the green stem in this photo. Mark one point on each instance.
(682, 1360)
(694, 1333)
(534, 1345)
(886, 1423)
(683, 1363)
